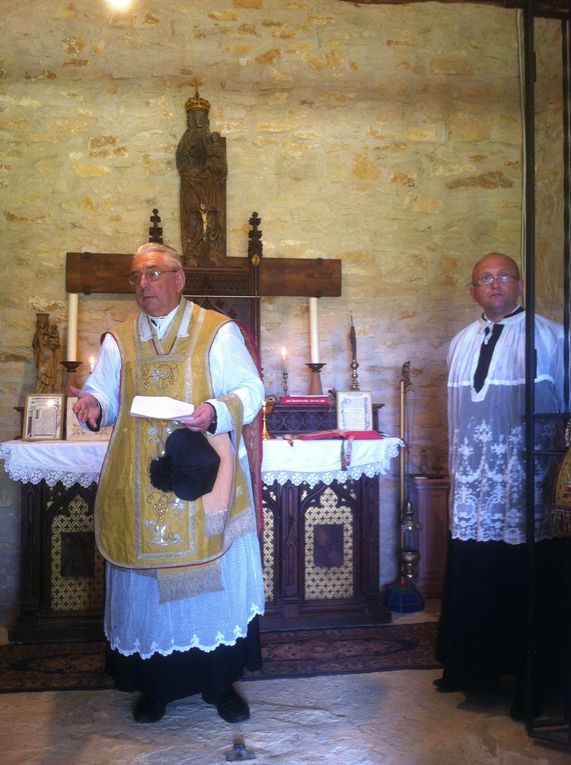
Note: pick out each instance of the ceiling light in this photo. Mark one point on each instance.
(119, 5)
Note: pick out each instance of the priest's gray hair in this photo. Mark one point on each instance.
(173, 258)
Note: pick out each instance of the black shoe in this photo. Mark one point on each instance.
(147, 710)
(518, 708)
(486, 688)
(230, 706)
(446, 686)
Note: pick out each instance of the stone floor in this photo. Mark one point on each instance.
(386, 718)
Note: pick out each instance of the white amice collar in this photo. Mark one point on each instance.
(161, 324)
(512, 318)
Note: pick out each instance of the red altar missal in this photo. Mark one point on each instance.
(314, 400)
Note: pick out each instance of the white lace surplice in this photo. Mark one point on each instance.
(487, 431)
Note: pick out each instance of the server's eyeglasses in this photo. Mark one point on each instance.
(488, 279)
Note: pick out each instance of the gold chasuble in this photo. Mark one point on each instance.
(138, 526)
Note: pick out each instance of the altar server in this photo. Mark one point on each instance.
(482, 632)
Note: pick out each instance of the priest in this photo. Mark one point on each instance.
(184, 584)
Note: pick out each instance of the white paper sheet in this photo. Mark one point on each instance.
(160, 407)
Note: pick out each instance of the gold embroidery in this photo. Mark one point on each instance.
(158, 378)
(160, 529)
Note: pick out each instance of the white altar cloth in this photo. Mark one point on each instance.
(67, 461)
(312, 461)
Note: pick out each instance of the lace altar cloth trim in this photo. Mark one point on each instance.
(67, 461)
(315, 461)
(311, 461)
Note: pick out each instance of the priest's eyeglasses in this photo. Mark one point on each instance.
(150, 274)
(488, 279)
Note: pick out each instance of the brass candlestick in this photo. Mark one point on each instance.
(284, 382)
(315, 388)
(71, 368)
(354, 375)
(354, 363)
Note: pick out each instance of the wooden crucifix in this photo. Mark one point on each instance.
(234, 288)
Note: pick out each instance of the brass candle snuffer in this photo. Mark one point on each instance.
(403, 596)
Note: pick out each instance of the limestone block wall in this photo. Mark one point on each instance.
(549, 168)
(386, 136)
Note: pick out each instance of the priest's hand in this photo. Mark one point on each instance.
(201, 419)
(86, 408)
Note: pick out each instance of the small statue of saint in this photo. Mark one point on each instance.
(202, 166)
(45, 345)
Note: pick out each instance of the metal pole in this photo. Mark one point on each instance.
(566, 200)
(530, 361)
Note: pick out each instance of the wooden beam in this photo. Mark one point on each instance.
(297, 277)
(88, 272)
(549, 8)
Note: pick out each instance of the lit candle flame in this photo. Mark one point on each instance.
(91, 363)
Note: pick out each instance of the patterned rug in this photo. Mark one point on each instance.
(301, 653)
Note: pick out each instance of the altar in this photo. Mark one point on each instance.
(320, 541)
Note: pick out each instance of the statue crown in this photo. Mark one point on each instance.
(196, 102)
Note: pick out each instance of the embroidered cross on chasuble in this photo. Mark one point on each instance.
(137, 525)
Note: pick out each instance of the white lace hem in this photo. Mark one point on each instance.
(313, 478)
(194, 643)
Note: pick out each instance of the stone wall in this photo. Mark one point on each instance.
(386, 136)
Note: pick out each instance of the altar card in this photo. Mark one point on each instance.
(355, 410)
(43, 417)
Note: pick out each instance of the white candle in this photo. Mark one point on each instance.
(284, 358)
(314, 330)
(72, 326)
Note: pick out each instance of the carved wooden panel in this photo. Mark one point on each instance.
(300, 419)
(325, 568)
(430, 500)
(62, 573)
